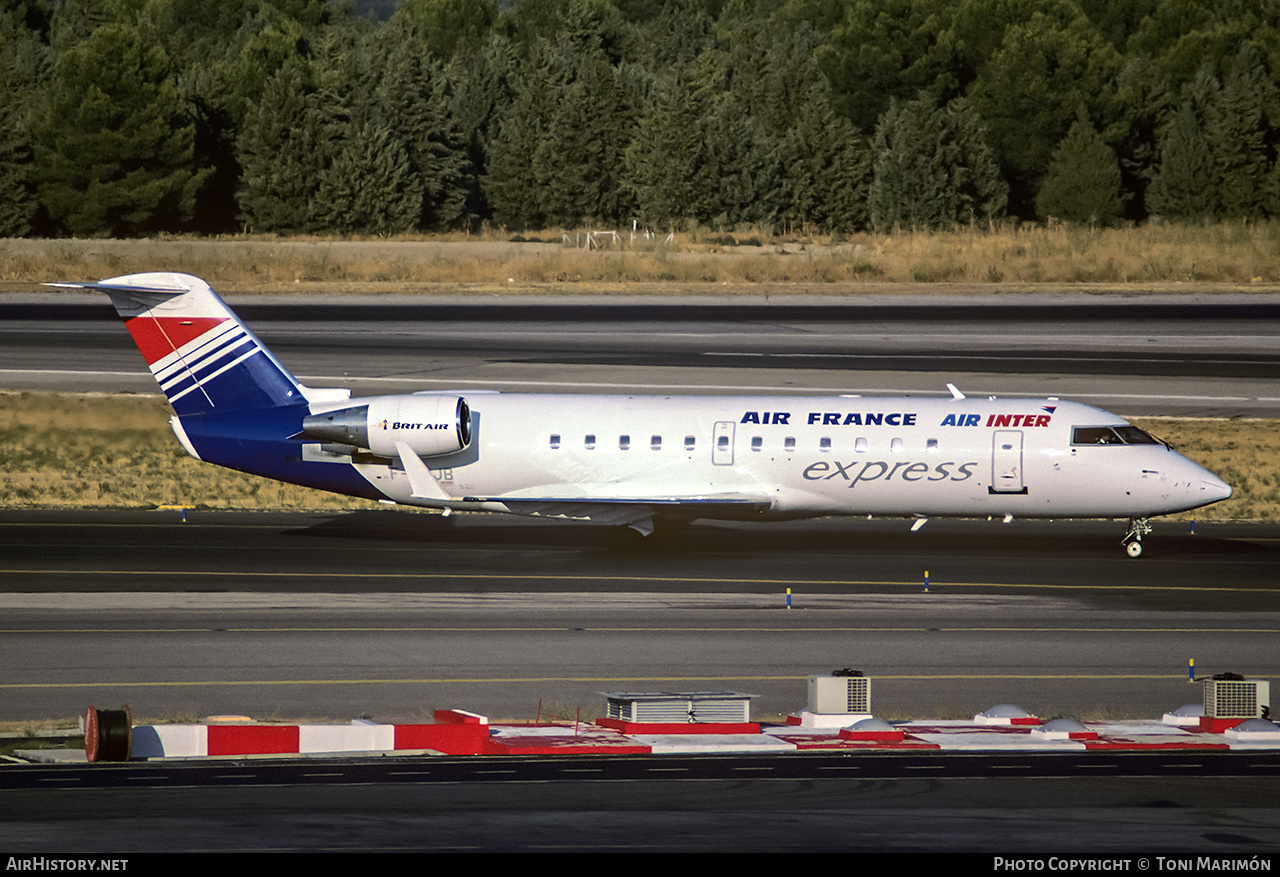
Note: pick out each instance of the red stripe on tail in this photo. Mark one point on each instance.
(157, 337)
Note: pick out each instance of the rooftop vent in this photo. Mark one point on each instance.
(670, 707)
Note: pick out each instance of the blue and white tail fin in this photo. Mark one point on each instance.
(200, 353)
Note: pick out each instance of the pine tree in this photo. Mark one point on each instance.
(1027, 92)
(113, 155)
(478, 86)
(908, 186)
(1238, 131)
(1185, 183)
(975, 190)
(579, 162)
(1083, 183)
(827, 168)
(510, 186)
(17, 198)
(744, 161)
(665, 159)
(370, 188)
(286, 146)
(932, 167)
(1148, 105)
(442, 27)
(413, 100)
(17, 203)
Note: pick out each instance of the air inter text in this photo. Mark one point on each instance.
(894, 418)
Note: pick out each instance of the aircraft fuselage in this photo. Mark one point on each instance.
(809, 456)
(632, 460)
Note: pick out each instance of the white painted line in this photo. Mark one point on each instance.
(669, 387)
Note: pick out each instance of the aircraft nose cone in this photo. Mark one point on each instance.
(1215, 488)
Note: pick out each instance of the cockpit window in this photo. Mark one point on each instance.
(1112, 435)
(1134, 436)
(1095, 435)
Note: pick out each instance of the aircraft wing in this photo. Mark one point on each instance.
(598, 503)
(603, 509)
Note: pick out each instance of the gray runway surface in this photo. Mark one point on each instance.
(1215, 355)
(393, 615)
(668, 805)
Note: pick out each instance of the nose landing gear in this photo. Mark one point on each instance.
(1132, 541)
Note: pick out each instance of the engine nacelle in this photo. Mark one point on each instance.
(430, 425)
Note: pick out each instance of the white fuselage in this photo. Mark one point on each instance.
(806, 456)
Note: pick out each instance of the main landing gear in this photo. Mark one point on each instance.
(1132, 541)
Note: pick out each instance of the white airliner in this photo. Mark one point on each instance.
(636, 460)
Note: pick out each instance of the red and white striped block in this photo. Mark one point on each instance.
(454, 733)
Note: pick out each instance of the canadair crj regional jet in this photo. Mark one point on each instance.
(634, 460)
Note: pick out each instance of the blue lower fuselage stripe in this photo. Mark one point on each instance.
(255, 441)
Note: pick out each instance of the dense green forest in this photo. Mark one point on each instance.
(134, 117)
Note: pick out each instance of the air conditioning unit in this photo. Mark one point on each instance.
(840, 695)
(1229, 696)
(668, 707)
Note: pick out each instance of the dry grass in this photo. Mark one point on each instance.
(1230, 253)
(97, 451)
(31, 727)
(1236, 254)
(1245, 453)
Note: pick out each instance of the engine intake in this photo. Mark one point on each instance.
(430, 425)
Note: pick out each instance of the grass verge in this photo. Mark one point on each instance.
(1231, 254)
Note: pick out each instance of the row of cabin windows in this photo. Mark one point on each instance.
(624, 442)
(757, 443)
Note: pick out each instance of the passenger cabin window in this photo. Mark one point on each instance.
(824, 444)
(789, 443)
(590, 442)
(723, 443)
(688, 443)
(931, 446)
(895, 446)
(860, 444)
(757, 443)
(655, 442)
(555, 441)
(624, 442)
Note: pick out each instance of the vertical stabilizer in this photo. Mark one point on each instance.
(200, 353)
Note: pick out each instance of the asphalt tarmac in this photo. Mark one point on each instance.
(1093, 812)
(1205, 355)
(392, 615)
